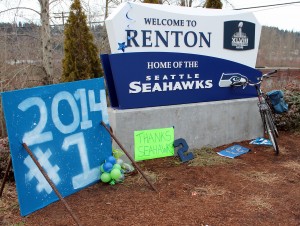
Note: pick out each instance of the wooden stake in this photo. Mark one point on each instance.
(5, 175)
(131, 159)
(51, 184)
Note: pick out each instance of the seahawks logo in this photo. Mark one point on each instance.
(227, 79)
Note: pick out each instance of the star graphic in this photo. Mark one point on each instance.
(122, 46)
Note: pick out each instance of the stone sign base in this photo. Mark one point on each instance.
(200, 124)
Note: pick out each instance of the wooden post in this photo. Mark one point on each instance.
(131, 159)
(51, 184)
(5, 175)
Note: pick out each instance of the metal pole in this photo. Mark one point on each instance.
(131, 159)
(51, 184)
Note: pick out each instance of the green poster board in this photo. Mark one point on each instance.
(154, 143)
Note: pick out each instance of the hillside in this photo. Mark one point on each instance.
(278, 48)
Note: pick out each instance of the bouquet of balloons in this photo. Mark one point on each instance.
(113, 169)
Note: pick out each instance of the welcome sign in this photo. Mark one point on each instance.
(165, 55)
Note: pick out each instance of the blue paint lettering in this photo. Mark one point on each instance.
(158, 39)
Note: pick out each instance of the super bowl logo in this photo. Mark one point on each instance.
(239, 39)
(239, 35)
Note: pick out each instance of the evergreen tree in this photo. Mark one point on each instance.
(81, 60)
(215, 4)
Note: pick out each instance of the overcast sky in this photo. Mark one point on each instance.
(285, 17)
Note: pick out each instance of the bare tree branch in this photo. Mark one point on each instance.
(20, 8)
(16, 74)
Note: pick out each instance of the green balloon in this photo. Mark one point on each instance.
(117, 166)
(115, 174)
(101, 168)
(105, 177)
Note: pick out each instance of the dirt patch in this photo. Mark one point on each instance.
(257, 188)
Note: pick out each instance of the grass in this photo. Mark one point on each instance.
(139, 180)
(19, 224)
(282, 150)
(206, 156)
(263, 177)
(209, 190)
(8, 205)
(259, 202)
(292, 165)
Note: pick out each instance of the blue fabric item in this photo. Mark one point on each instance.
(233, 151)
(276, 98)
(261, 141)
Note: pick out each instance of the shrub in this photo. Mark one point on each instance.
(290, 121)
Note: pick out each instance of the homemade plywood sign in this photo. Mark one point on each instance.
(61, 126)
(155, 143)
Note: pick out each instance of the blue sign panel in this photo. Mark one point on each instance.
(148, 79)
(61, 126)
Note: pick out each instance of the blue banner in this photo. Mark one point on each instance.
(61, 126)
(159, 79)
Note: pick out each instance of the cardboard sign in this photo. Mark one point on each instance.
(155, 143)
(181, 55)
(61, 126)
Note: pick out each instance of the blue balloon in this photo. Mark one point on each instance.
(107, 167)
(112, 160)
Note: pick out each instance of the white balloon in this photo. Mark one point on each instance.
(120, 161)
